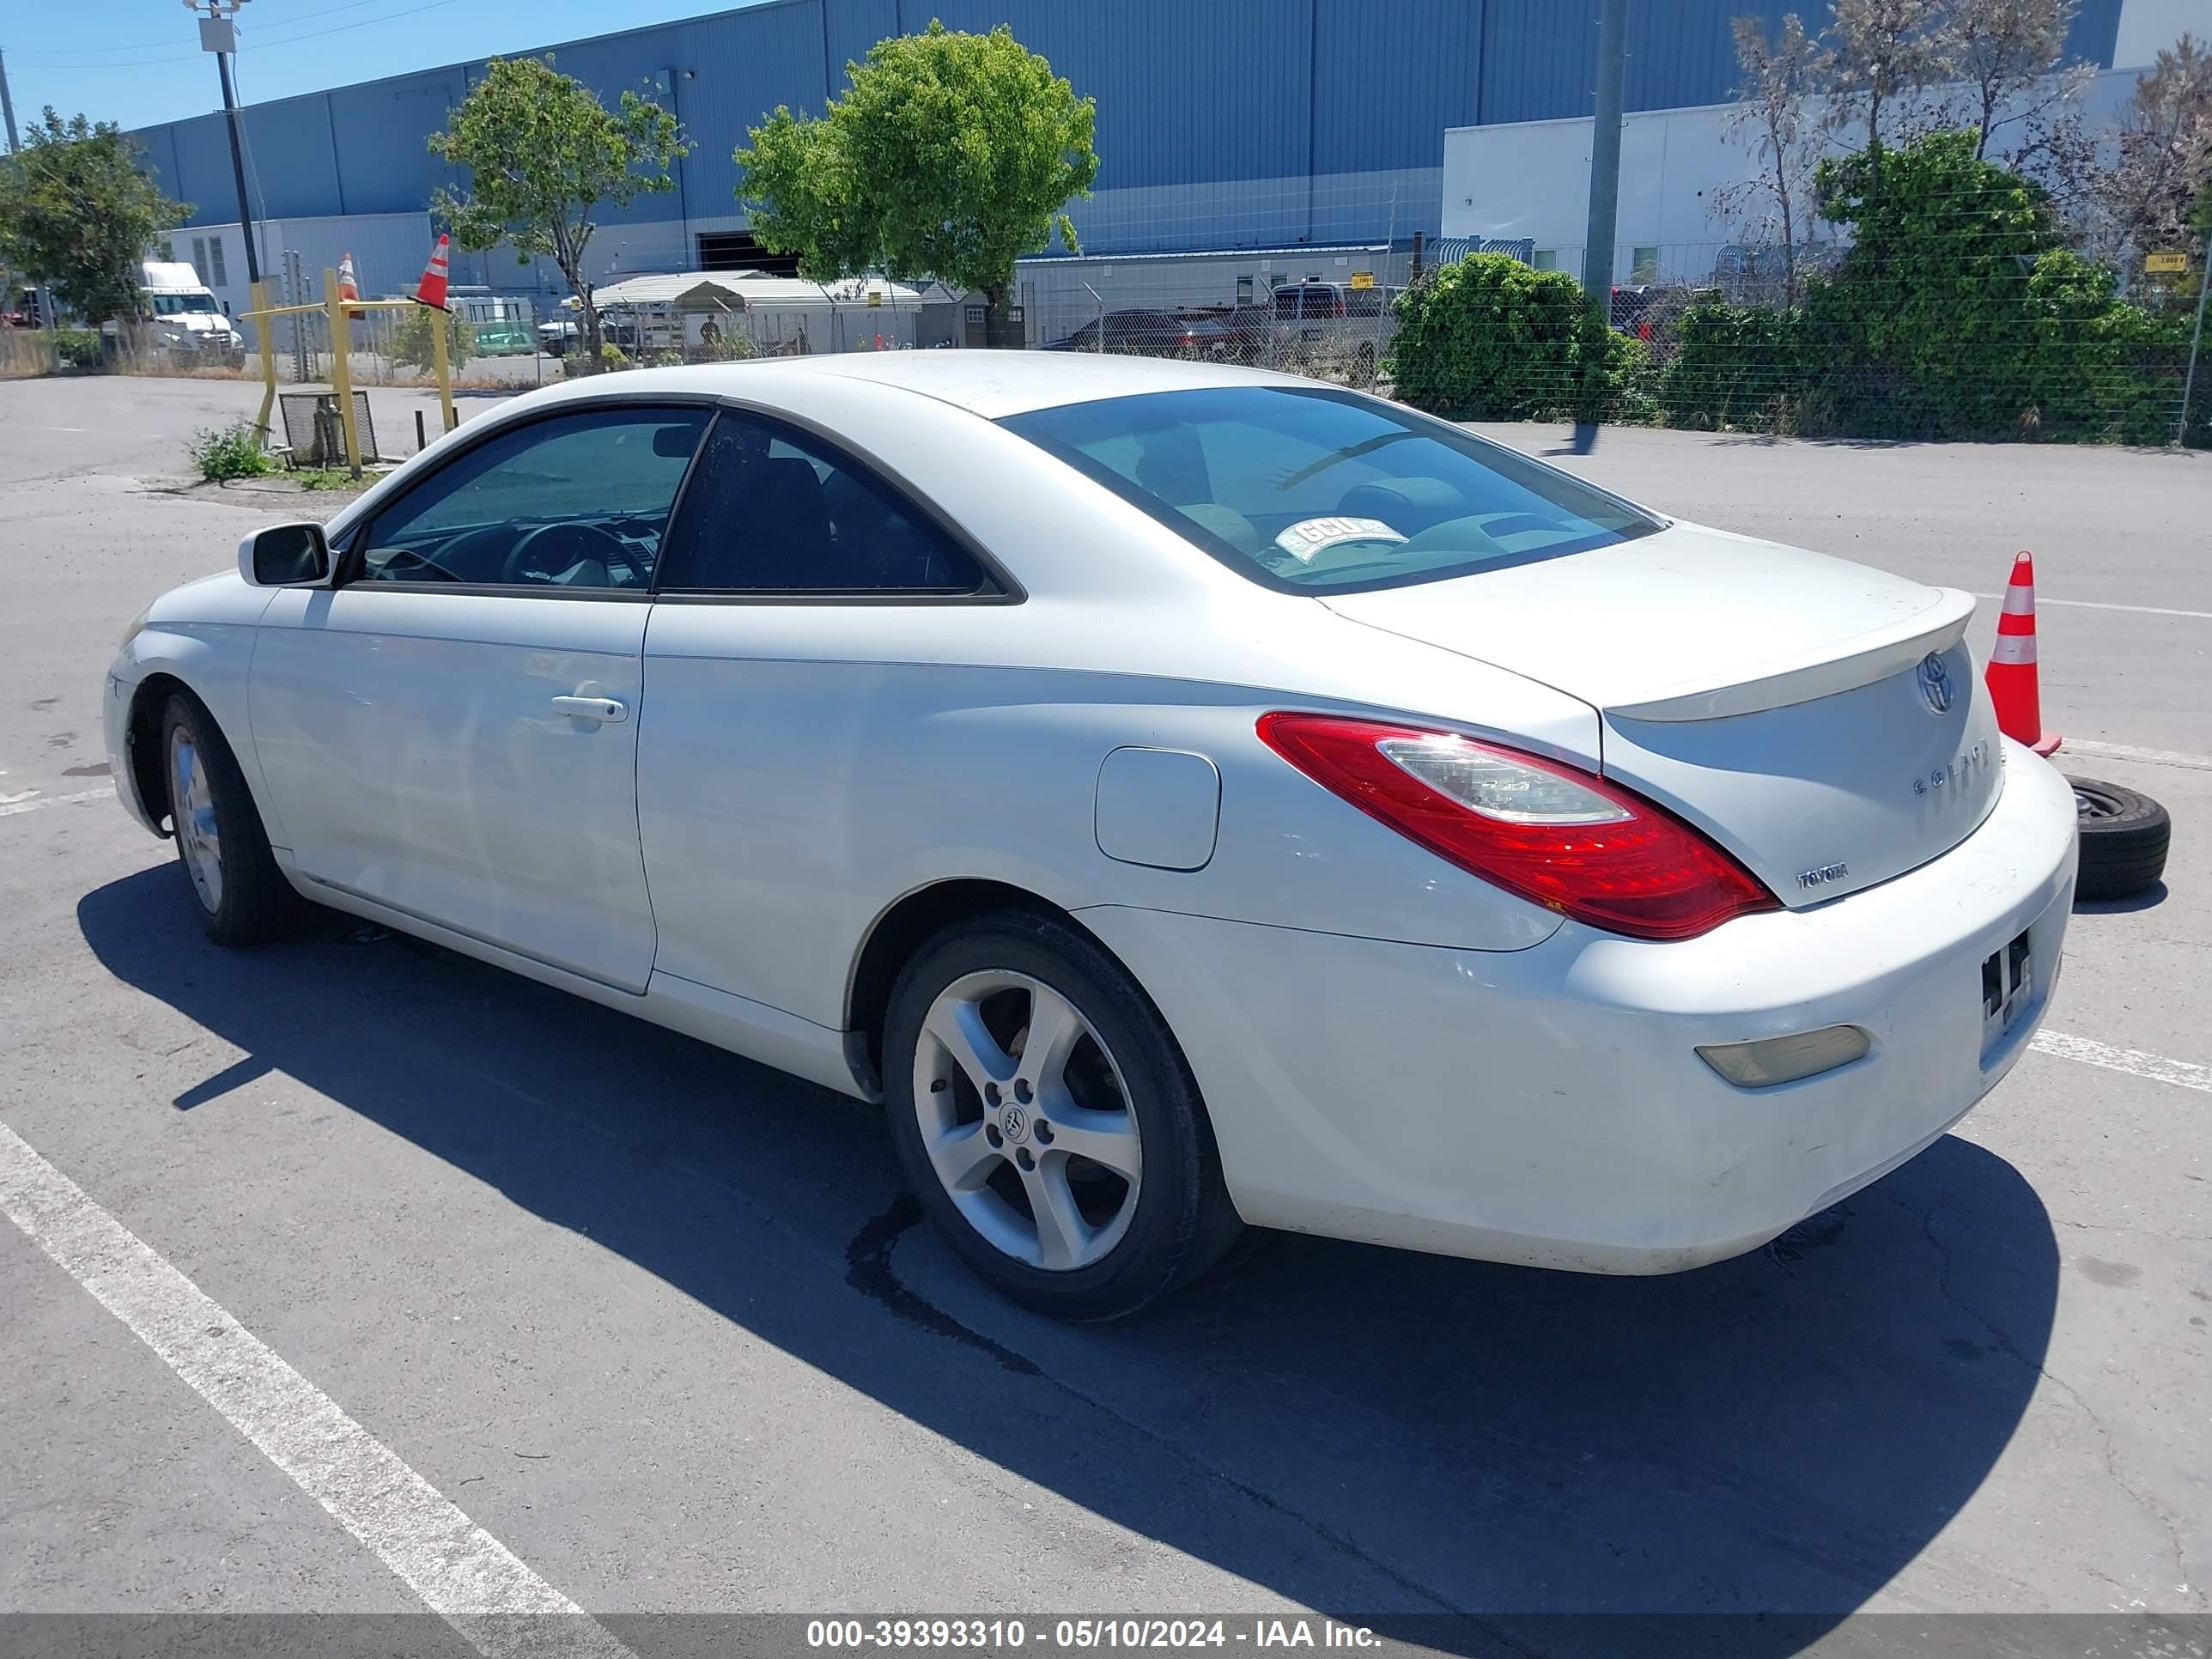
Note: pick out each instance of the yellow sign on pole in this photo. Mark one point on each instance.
(2167, 262)
(1363, 279)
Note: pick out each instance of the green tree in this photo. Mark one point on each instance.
(1780, 77)
(78, 213)
(542, 152)
(1886, 52)
(949, 157)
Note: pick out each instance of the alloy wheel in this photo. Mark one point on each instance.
(192, 807)
(1025, 1118)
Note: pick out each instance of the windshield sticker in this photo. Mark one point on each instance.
(1309, 536)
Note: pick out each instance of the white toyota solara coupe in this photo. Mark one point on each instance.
(1186, 797)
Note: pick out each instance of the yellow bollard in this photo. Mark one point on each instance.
(262, 324)
(342, 368)
(437, 319)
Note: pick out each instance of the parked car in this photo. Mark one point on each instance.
(1148, 333)
(1645, 310)
(562, 333)
(502, 326)
(1188, 799)
(1358, 321)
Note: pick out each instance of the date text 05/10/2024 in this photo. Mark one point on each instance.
(1079, 1635)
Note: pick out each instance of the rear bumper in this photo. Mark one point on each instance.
(1548, 1106)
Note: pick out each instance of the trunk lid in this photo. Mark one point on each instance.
(1783, 702)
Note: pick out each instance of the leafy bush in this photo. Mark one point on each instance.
(78, 347)
(1631, 381)
(1956, 313)
(412, 343)
(2101, 368)
(1926, 320)
(1733, 365)
(575, 364)
(234, 452)
(1489, 338)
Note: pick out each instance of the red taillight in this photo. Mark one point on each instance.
(1561, 837)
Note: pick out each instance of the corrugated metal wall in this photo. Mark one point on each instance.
(1245, 121)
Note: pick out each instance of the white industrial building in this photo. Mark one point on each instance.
(1530, 179)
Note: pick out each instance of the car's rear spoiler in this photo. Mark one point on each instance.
(1872, 656)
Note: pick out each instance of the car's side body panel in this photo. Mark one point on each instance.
(786, 804)
(411, 743)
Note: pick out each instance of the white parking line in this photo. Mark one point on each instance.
(2186, 1073)
(2100, 604)
(8, 809)
(461, 1573)
(2129, 752)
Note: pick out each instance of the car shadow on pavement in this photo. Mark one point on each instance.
(1478, 1458)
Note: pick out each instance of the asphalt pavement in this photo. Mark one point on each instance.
(657, 1325)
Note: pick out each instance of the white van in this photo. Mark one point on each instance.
(184, 319)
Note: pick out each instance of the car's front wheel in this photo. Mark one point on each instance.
(243, 896)
(1042, 1111)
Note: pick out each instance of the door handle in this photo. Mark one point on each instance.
(592, 708)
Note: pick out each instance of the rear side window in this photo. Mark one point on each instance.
(770, 509)
(1321, 490)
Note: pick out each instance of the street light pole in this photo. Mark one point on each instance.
(8, 104)
(219, 35)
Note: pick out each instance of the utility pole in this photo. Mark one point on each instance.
(2195, 340)
(219, 35)
(8, 104)
(1605, 157)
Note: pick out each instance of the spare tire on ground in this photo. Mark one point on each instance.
(2124, 836)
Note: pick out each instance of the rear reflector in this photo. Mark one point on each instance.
(1770, 1061)
(1563, 838)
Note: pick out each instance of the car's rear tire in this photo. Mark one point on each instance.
(243, 896)
(2124, 839)
(1012, 1040)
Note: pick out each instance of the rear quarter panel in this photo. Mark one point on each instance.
(792, 789)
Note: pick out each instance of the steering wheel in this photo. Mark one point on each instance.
(551, 549)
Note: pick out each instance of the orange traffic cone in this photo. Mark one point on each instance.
(2011, 675)
(349, 287)
(432, 289)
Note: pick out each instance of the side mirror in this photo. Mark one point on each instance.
(285, 555)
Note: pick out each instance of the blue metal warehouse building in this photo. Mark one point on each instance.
(1238, 124)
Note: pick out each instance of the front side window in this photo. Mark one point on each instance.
(1321, 490)
(579, 500)
(773, 510)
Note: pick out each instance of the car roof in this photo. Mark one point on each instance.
(990, 384)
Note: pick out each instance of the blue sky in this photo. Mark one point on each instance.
(142, 64)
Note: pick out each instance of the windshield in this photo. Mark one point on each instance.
(171, 304)
(1319, 488)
